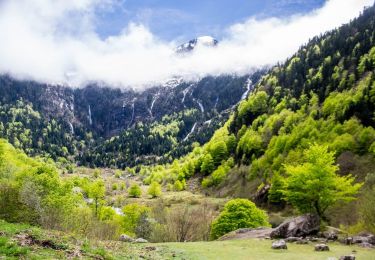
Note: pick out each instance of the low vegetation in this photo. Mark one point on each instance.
(238, 213)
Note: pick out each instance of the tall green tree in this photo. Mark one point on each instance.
(314, 186)
(207, 164)
(97, 193)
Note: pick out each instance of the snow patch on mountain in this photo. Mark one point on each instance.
(202, 41)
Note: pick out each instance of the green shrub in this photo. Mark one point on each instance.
(154, 190)
(238, 213)
(10, 249)
(118, 174)
(135, 191)
(178, 185)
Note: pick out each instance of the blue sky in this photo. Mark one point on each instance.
(185, 19)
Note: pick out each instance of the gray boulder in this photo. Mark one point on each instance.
(302, 242)
(301, 226)
(126, 238)
(364, 237)
(261, 196)
(292, 239)
(366, 245)
(279, 244)
(359, 239)
(140, 240)
(321, 247)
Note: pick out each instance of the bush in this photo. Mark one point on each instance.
(238, 213)
(154, 190)
(135, 191)
(118, 174)
(178, 185)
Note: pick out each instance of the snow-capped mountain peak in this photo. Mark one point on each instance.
(206, 41)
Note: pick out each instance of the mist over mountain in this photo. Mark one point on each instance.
(60, 46)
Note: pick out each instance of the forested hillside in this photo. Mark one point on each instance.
(273, 161)
(93, 125)
(322, 96)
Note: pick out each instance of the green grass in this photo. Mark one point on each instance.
(64, 244)
(261, 249)
(91, 249)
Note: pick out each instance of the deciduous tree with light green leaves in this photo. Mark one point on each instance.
(314, 186)
(96, 191)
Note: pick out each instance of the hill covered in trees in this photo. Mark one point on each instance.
(108, 127)
(323, 95)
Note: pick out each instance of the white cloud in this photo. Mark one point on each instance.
(54, 41)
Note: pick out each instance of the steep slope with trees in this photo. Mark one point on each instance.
(323, 95)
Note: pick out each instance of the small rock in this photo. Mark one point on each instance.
(347, 257)
(349, 241)
(140, 240)
(279, 244)
(261, 196)
(330, 235)
(321, 247)
(126, 238)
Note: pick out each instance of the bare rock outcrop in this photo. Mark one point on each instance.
(301, 226)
